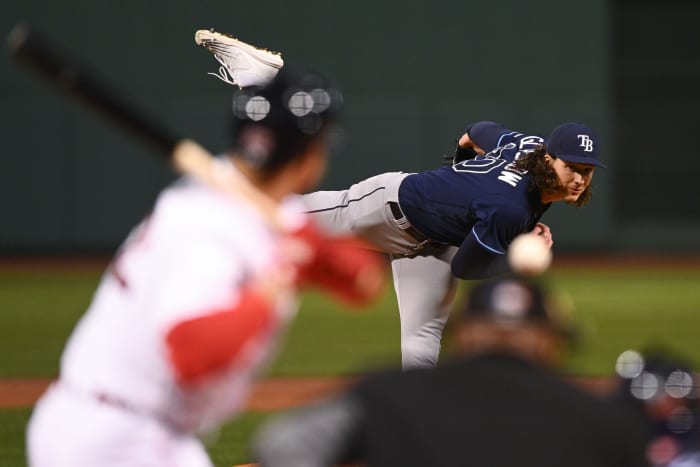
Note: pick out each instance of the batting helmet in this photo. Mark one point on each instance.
(275, 123)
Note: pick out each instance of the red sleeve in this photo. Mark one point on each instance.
(204, 345)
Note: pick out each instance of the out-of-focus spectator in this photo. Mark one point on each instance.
(663, 390)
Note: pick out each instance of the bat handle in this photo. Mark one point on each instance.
(191, 158)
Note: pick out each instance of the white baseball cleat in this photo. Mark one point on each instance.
(241, 64)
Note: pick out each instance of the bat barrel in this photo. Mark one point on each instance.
(34, 51)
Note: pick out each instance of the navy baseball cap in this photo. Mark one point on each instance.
(575, 142)
(514, 301)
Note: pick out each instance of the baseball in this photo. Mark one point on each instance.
(529, 255)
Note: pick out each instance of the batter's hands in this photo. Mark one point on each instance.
(543, 231)
(343, 266)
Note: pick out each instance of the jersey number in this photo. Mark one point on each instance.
(480, 164)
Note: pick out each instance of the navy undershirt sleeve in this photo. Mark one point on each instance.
(487, 135)
(482, 253)
(499, 221)
(473, 261)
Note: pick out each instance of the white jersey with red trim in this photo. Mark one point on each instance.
(189, 258)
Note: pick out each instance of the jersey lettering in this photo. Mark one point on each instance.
(510, 178)
(527, 144)
(499, 150)
(530, 142)
(480, 164)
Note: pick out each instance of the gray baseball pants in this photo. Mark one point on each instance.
(423, 281)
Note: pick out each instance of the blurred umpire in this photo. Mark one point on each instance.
(499, 403)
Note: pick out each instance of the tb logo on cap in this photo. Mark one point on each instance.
(586, 143)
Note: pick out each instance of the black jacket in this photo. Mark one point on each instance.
(486, 411)
(490, 411)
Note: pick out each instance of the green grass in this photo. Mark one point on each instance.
(328, 339)
(230, 446)
(622, 309)
(615, 309)
(38, 309)
(12, 424)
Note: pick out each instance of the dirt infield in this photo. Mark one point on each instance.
(268, 394)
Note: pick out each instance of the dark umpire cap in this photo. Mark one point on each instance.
(575, 142)
(513, 301)
(275, 123)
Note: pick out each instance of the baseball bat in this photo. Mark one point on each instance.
(43, 56)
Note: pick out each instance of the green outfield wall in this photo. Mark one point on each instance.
(413, 74)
